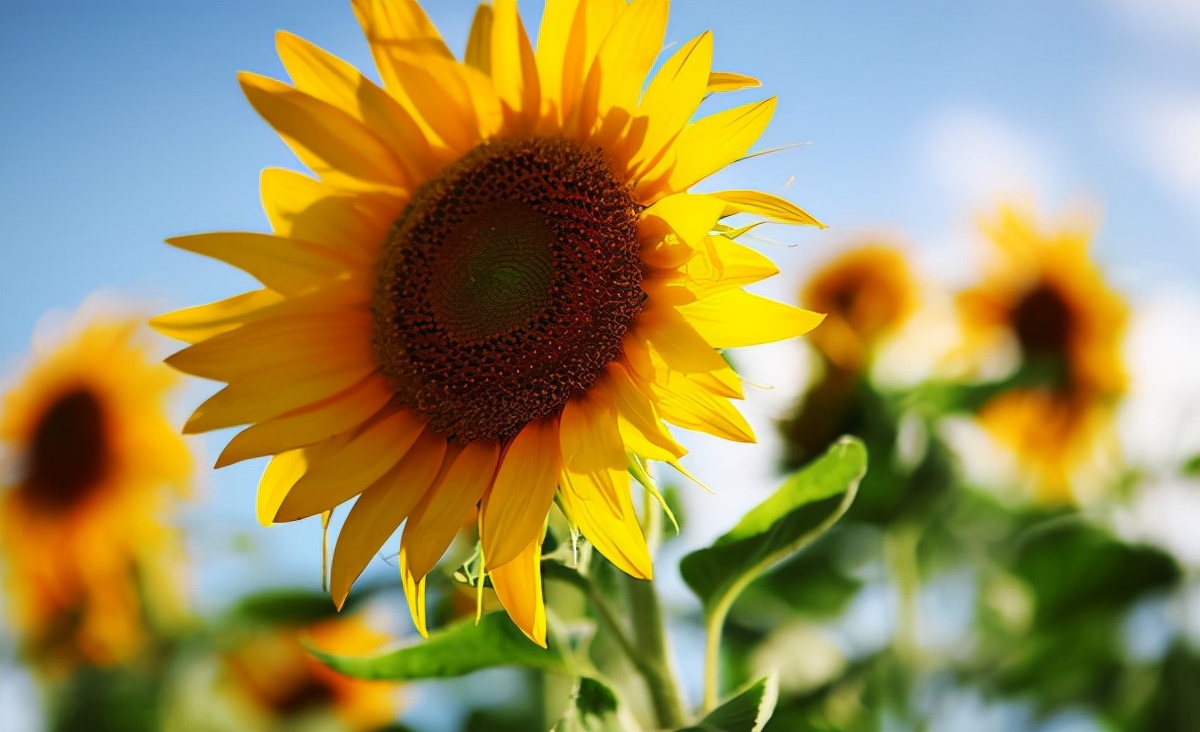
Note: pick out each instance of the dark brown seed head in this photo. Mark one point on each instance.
(507, 285)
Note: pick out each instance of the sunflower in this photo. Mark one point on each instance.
(1045, 297)
(868, 293)
(273, 674)
(89, 456)
(495, 290)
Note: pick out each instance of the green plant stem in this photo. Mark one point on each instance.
(649, 635)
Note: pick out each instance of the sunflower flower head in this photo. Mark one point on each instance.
(495, 290)
(273, 677)
(868, 293)
(89, 463)
(1045, 299)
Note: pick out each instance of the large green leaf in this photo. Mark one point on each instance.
(455, 651)
(807, 504)
(748, 711)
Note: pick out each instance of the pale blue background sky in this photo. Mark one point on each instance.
(121, 123)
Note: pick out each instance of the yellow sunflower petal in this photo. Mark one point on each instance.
(689, 215)
(728, 81)
(281, 474)
(518, 586)
(514, 68)
(333, 144)
(448, 506)
(293, 347)
(591, 446)
(673, 96)
(722, 264)
(713, 142)
(557, 33)
(766, 205)
(589, 28)
(381, 508)
(628, 52)
(456, 102)
(641, 429)
(734, 317)
(515, 509)
(684, 402)
(195, 324)
(285, 265)
(344, 473)
(414, 593)
(397, 29)
(479, 42)
(673, 339)
(309, 424)
(300, 207)
(612, 529)
(326, 77)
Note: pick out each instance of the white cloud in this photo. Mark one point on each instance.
(1170, 20)
(976, 158)
(1166, 130)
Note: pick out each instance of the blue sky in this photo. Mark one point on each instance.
(121, 123)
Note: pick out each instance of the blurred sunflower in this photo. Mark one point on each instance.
(494, 291)
(1046, 297)
(283, 684)
(868, 292)
(89, 456)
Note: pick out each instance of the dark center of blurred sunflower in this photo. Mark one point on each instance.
(69, 453)
(1042, 322)
(507, 285)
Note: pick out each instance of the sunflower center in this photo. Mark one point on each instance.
(69, 453)
(507, 285)
(1042, 322)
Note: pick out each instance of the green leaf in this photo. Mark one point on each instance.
(748, 711)
(804, 507)
(285, 607)
(1192, 466)
(455, 651)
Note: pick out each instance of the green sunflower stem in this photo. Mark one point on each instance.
(650, 641)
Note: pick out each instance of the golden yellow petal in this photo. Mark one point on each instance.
(334, 145)
(591, 447)
(514, 510)
(414, 593)
(590, 27)
(684, 402)
(728, 81)
(680, 346)
(514, 68)
(734, 317)
(624, 59)
(328, 78)
(709, 144)
(300, 207)
(448, 507)
(690, 216)
(195, 324)
(288, 347)
(518, 586)
(641, 429)
(479, 42)
(339, 475)
(395, 30)
(766, 205)
(381, 508)
(285, 265)
(673, 96)
(722, 264)
(557, 32)
(612, 529)
(281, 474)
(309, 424)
